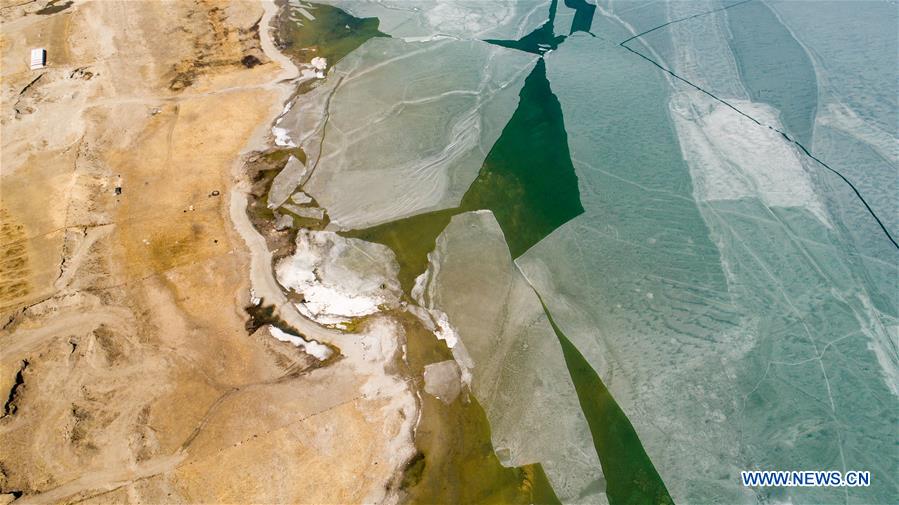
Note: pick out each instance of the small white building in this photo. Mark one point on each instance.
(38, 58)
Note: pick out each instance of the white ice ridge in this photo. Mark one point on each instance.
(339, 278)
(402, 128)
(731, 157)
(518, 371)
(311, 347)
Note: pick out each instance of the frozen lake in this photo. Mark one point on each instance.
(661, 235)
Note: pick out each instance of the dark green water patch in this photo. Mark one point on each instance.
(411, 239)
(583, 15)
(631, 478)
(538, 41)
(455, 462)
(527, 181)
(332, 34)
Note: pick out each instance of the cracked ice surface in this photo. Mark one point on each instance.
(737, 331)
(404, 127)
(471, 19)
(855, 125)
(339, 278)
(518, 371)
(827, 82)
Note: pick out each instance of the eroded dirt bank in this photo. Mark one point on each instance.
(127, 371)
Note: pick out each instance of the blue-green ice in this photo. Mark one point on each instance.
(730, 270)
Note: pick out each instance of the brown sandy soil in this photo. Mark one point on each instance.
(127, 374)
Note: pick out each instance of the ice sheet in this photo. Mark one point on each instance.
(443, 380)
(407, 126)
(739, 331)
(518, 374)
(730, 293)
(300, 198)
(472, 19)
(853, 50)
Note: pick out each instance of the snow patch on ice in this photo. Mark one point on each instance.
(339, 278)
(732, 158)
(282, 137)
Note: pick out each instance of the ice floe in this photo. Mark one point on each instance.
(404, 127)
(443, 380)
(316, 213)
(286, 182)
(518, 372)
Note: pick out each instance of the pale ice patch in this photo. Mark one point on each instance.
(310, 73)
(300, 198)
(731, 157)
(311, 347)
(700, 50)
(339, 278)
(286, 182)
(315, 69)
(443, 380)
(316, 213)
(445, 330)
(404, 127)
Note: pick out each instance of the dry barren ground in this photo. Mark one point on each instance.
(127, 373)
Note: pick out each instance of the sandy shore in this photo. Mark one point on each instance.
(129, 372)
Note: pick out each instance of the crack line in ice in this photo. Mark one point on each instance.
(786, 136)
(324, 127)
(683, 19)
